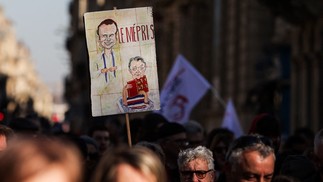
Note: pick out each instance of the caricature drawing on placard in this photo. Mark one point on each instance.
(105, 69)
(135, 93)
(122, 61)
(107, 38)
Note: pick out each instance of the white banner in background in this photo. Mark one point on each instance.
(231, 121)
(183, 88)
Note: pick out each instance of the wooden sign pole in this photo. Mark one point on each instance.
(128, 129)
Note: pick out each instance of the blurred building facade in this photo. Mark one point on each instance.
(21, 90)
(305, 38)
(262, 54)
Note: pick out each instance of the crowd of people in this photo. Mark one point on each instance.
(161, 151)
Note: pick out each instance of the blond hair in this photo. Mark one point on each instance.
(140, 158)
(27, 157)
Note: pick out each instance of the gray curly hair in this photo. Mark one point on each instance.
(200, 152)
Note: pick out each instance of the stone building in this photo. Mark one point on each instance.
(306, 49)
(267, 56)
(21, 90)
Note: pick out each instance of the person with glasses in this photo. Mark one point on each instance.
(196, 164)
(135, 92)
(250, 158)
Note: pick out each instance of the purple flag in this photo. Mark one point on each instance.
(231, 121)
(183, 88)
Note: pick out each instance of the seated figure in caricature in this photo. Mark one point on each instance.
(135, 92)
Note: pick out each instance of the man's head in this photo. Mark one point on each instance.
(250, 158)
(196, 164)
(104, 136)
(107, 32)
(137, 67)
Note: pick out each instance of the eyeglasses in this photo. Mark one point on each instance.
(140, 68)
(200, 174)
(247, 141)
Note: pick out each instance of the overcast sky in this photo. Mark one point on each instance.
(42, 26)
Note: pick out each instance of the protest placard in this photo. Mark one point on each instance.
(122, 61)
